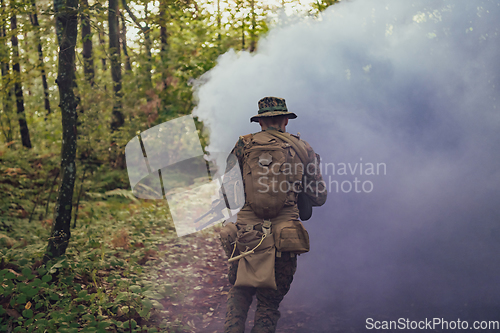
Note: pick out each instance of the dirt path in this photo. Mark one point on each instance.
(203, 307)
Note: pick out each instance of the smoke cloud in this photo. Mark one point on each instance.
(406, 93)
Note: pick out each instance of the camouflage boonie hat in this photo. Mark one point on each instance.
(271, 107)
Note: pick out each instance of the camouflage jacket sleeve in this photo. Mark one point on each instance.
(233, 178)
(236, 155)
(313, 182)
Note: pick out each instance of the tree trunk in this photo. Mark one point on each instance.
(243, 34)
(147, 43)
(148, 67)
(7, 129)
(163, 31)
(163, 42)
(66, 14)
(123, 38)
(88, 61)
(252, 28)
(36, 25)
(116, 74)
(6, 97)
(18, 88)
(103, 48)
(219, 37)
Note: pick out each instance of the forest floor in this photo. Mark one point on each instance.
(126, 265)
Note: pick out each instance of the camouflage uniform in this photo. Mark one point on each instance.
(268, 300)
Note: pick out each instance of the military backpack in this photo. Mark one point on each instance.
(272, 173)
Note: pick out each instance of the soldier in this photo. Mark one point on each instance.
(273, 118)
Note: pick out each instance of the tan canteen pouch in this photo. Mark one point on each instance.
(256, 269)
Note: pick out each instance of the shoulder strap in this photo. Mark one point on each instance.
(246, 138)
(293, 142)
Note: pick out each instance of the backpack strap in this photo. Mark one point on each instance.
(304, 205)
(246, 138)
(294, 143)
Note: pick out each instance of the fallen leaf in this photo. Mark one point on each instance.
(14, 272)
(22, 213)
(47, 224)
(121, 239)
(13, 171)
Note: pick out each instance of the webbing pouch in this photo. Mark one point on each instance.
(291, 236)
(227, 237)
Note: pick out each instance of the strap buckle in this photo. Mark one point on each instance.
(266, 227)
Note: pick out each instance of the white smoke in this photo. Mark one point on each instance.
(410, 84)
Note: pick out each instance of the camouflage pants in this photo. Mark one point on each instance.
(268, 300)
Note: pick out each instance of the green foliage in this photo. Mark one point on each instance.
(112, 277)
(24, 178)
(321, 5)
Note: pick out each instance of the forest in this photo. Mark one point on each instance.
(80, 78)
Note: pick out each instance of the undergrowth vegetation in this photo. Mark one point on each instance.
(124, 262)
